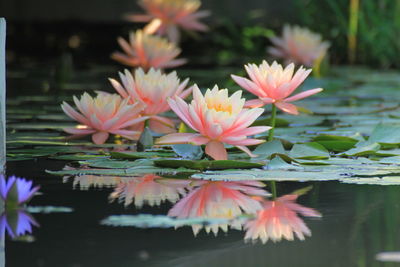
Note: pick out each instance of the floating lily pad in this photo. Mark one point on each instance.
(156, 221)
(207, 164)
(48, 209)
(311, 151)
(140, 155)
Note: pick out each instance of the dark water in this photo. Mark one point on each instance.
(358, 221)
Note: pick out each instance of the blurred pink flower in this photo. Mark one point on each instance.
(165, 16)
(219, 119)
(103, 115)
(150, 189)
(146, 51)
(279, 219)
(274, 84)
(299, 45)
(219, 199)
(152, 89)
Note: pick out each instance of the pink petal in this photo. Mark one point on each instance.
(100, 137)
(159, 127)
(244, 142)
(303, 94)
(176, 138)
(287, 107)
(118, 87)
(248, 85)
(132, 135)
(79, 131)
(254, 103)
(247, 151)
(216, 150)
(72, 113)
(251, 130)
(199, 140)
(153, 26)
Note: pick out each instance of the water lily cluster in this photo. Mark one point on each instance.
(146, 95)
(241, 205)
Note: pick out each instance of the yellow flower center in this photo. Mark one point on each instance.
(220, 107)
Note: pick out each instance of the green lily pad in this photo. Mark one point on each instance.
(310, 151)
(207, 164)
(157, 221)
(48, 209)
(385, 134)
(140, 155)
(269, 148)
(363, 149)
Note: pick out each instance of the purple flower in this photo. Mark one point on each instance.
(16, 190)
(16, 223)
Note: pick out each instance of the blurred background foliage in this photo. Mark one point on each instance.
(239, 30)
(378, 31)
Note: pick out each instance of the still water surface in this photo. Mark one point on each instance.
(358, 221)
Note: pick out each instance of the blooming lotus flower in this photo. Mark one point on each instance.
(299, 45)
(16, 223)
(218, 119)
(16, 190)
(219, 199)
(166, 16)
(274, 84)
(152, 89)
(150, 189)
(279, 219)
(146, 51)
(103, 115)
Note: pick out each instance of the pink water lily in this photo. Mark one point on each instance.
(279, 219)
(150, 189)
(299, 45)
(274, 84)
(146, 51)
(103, 115)
(218, 119)
(219, 199)
(152, 89)
(166, 16)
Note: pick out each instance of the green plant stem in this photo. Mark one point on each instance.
(352, 31)
(273, 189)
(272, 124)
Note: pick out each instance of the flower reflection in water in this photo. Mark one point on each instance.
(279, 219)
(219, 199)
(16, 223)
(150, 189)
(96, 181)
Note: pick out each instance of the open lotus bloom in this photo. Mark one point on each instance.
(279, 219)
(220, 200)
(218, 119)
(16, 223)
(103, 115)
(16, 191)
(299, 45)
(152, 89)
(150, 189)
(274, 84)
(146, 51)
(165, 16)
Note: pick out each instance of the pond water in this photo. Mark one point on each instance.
(358, 221)
(334, 175)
